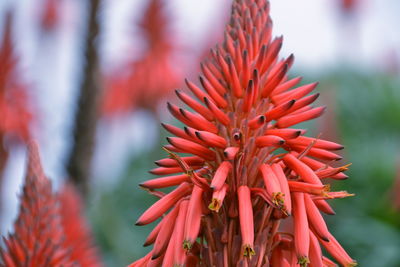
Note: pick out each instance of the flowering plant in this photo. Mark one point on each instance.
(50, 229)
(251, 190)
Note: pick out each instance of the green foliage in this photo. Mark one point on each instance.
(368, 114)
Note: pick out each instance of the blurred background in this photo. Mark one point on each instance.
(89, 81)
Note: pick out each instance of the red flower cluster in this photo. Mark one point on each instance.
(48, 231)
(14, 107)
(153, 76)
(50, 15)
(252, 191)
(38, 237)
(78, 235)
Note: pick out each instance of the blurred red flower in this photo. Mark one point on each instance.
(15, 108)
(50, 15)
(145, 81)
(348, 6)
(249, 188)
(50, 230)
(38, 236)
(78, 235)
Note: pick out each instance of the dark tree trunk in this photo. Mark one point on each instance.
(80, 158)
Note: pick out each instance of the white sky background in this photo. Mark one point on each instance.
(311, 31)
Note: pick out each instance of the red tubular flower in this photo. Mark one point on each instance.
(193, 217)
(313, 189)
(179, 253)
(319, 167)
(38, 239)
(239, 120)
(217, 198)
(78, 236)
(220, 175)
(164, 233)
(305, 172)
(283, 182)
(301, 231)
(272, 186)
(151, 238)
(324, 206)
(142, 262)
(246, 220)
(315, 219)
(337, 251)
(164, 204)
(315, 252)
